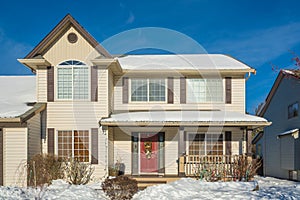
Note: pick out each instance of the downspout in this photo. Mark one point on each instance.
(247, 77)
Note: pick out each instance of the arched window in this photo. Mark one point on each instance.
(72, 80)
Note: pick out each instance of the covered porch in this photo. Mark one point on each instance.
(179, 143)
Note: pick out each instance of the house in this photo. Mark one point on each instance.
(279, 144)
(154, 114)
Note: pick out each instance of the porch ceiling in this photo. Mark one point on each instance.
(184, 118)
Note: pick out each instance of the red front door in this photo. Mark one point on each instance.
(148, 153)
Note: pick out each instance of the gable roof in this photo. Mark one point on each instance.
(58, 31)
(282, 74)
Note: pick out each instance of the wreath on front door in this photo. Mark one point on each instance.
(148, 149)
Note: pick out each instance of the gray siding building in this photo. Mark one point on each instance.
(280, 143)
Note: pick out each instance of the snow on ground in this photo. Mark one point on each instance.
(186, 188)
(59, 190)
(269, 188)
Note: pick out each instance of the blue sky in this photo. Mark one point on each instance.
(255, 32)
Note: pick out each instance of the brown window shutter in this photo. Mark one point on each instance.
(50, 84)
(125, 89)
(182, 90)
(94, 83)
(228, 90)
(94, 139)
(51, 141)
(228, 139)
(170, 90)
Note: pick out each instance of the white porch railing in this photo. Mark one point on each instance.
(225, 166)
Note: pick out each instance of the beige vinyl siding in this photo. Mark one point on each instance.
(15, 156)
(103, 92)
(110, 147)
(101, 168)
(122, 147)
(110, 92)
(41, 85)
(171, 150)
(237, 105)
(63, 50)
(34, 136)
(238, 96)
(74, 115)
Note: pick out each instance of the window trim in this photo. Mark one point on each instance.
(56, 81)
(205, 133)
(187, 88)
(291, 105)
(73, 130)
(148, 85)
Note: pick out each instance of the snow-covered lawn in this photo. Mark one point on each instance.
(186, 188)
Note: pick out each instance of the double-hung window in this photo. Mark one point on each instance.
(72, 80)
(148, 90)
(205, 144)
(202, 90)
(73, 144)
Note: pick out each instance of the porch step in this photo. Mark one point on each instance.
(146, 181)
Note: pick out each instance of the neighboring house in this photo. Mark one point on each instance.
(280, 143)
(144, 111)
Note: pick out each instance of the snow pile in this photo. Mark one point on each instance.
(188, 189)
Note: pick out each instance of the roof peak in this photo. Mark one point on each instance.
(57, 31)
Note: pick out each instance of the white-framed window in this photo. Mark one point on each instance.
(148, 90)
(201, 90)
(72, 81)
(205, 143)
(74, 144)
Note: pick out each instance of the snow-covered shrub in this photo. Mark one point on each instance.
(120, 187)
(43, 168)
(78, 173)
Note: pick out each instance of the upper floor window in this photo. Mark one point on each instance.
(293, 110)
(72, 80)
(200, 90)
(148, 90)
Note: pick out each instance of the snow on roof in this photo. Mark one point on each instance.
(16, 91)
(183, 116)
(289, 132)
(182, 61)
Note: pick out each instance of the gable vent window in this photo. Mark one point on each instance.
(72, 81)
(72, 38)
(293, 110)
